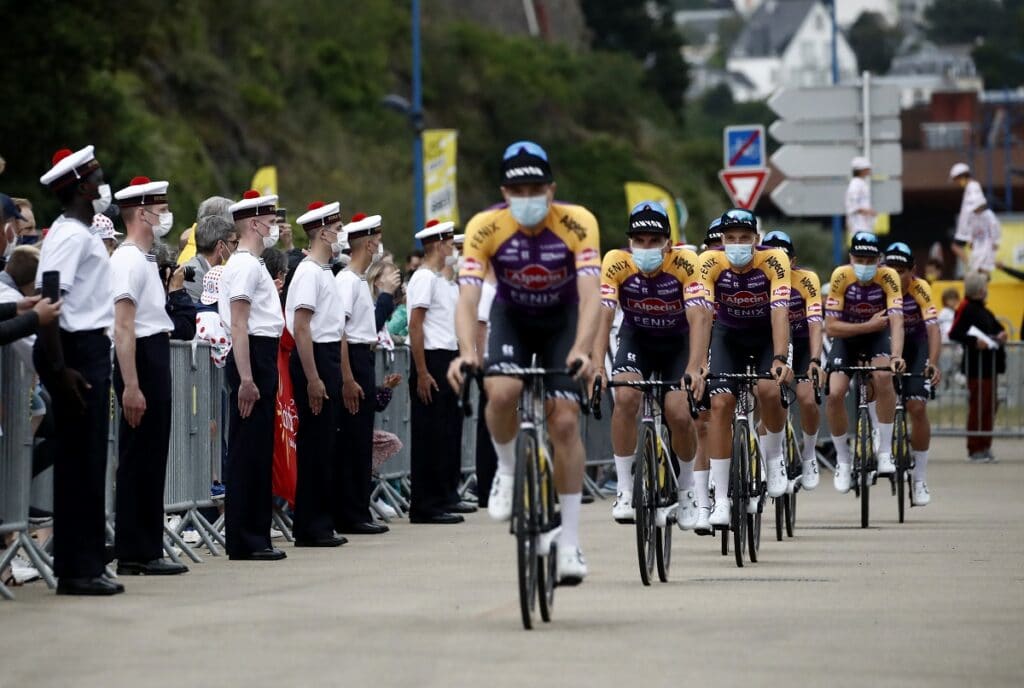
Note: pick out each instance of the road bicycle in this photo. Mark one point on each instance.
(785, 506)
(902, 480)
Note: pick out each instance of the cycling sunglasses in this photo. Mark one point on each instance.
(737, 217)
(528, 147)
(651, 205)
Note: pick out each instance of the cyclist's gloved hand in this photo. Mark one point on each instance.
(781, 372)
(698, 380)
(897, 364)
(586, 369)
(934, 374)
(455, 370)
(816, 374)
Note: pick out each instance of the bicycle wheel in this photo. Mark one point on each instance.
(796, 469)
(739, 479)
(525, 511)
(547, 561)
(861, 461)
(665, 496)
(901, 457)
(780, 515)
(644, 502)
(790, 514)
(756, 492)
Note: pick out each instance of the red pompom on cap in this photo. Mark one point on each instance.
(315, 204)
(357, 217)
(433, 222)
(251, 193)
(136, 181)
(60, 155)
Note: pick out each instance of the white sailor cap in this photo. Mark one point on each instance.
(319, 214)
(436, 231)
(253, 205)
(70, 167)
(103, 226)
(142, 191)
(460, 239)
(362, 225)
(860, 163)
(958, 169)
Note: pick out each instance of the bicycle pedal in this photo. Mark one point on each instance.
(664, 515)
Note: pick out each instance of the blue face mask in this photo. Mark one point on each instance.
(865, 272)
(648, 259)
(739, 254)
(529, 211)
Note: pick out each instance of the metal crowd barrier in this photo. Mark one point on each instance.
(950, 411)
(16, 468)
(392, 478)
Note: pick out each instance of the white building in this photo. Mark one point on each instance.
(788, 43)
(847, 11)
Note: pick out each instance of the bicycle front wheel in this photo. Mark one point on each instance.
(525, 516)
(547, 569)
(901, 457)
(739, 480)
(861, 462)
(754, 500)
(666, 495)
(644, 501)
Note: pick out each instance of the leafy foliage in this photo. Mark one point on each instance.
(874, 42)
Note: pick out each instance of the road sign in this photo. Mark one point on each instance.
(743, 146)
(800, 197)
(800, 160)
(833, 102)
(835, 131)
(744, 186)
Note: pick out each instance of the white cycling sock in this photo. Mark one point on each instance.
(810, 442)
(720, 472)
(885, 438)
(873, 412)
(842, 448)
(506, 456)
(570, 506)
(920, 466)
(771, 446)
(685, 477)
(700, 485)
(624, 472)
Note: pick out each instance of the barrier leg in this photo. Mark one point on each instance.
(393, 497)
(282, 524)
(5, 561)
(182, 545)
(208, 530)
(43, 566)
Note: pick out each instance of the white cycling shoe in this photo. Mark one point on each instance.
(703, 524)
(777, 480)
(920, 495)
(499, 503)
(720, 515)
(841, 479)
(686, 511)
(622, 509)
(809, 476)
(885, 464)
(572, 567)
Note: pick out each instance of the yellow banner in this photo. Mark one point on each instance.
(265, 180)
(644, 191)
(439, 168)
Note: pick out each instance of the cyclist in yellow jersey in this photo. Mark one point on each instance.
(748, 288)
(546, 260)
(657, 289)
(805, 322)
(921, 348)
(864, 318)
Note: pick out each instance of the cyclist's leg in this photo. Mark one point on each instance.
(773, 416)
(628, 366)
(885, 395)
(723, 406)
(808, 414)
(672, 366)
(835, 411)
(917, 411)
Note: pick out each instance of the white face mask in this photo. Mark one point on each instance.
(165, 221)
(379, 253)
(103, 202)
(11, 237)
(270, 241)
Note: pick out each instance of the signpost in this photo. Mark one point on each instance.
(743, 159)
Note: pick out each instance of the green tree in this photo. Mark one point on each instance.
(962, 21)
(874, 42)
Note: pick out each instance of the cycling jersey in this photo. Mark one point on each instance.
(854, 302)
(744, 300)
(804, 301)
(654, 304)
(918, 310)
(535, 273)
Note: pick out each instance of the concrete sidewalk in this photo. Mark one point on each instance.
(937, 601)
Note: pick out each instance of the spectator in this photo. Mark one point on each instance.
(933, 270)
(9, 225)
(28, 233)
(216, 240)
(412, 262)
(950, 300)
(103, 226)
(277, 265)
(209, 327)
(17, 282)
(214, 205)
(19, 317)
(385, 280)
(860, 216)
(976, 225)
(982, 335)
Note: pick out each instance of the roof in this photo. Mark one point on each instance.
(771, 28)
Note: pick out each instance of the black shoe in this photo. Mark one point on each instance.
(156, 567)
(364, 529)
(439, 519)
(271, 554)
(329, 541)
(587, 498)
(88, 586)
(461, 508)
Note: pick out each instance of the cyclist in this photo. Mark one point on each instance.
(864, 318)
(748, 286)
(656, 287)
(547, 263)
(922, 345)
(805, 335)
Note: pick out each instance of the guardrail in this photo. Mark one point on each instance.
(950, 411)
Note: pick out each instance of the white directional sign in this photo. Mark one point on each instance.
(833, 102)
(834, 131)
(799, 160)
(818, 196)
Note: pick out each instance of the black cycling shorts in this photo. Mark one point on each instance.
(859, 350)
(645, 354)
(732, 350)
(801, 355)
(515, 337)
(915, 353)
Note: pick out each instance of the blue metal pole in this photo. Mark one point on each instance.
(417, 121)
(838, 239)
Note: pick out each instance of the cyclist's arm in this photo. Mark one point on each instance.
(836, 327)
(896, 334)
(780, 332)
(589, 287)
(700, 320)
(814, 331)
(465, 318)
(934, 342)
(604, 330)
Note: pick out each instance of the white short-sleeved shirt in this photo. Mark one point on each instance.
(245, 278)
(357, 305)
(858, 196)
(84, 266)
(135, 277)
(313, 288)
(487, 293)
(430, 290)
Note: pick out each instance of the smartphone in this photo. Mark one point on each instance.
(282, 214)
(51, 285)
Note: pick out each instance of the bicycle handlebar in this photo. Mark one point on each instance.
(472, 374)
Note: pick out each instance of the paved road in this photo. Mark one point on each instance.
(938, 601)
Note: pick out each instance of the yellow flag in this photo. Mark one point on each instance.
(265, 180)
(439, 168)
(643, 191)
(189, 252)
(881, 224)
